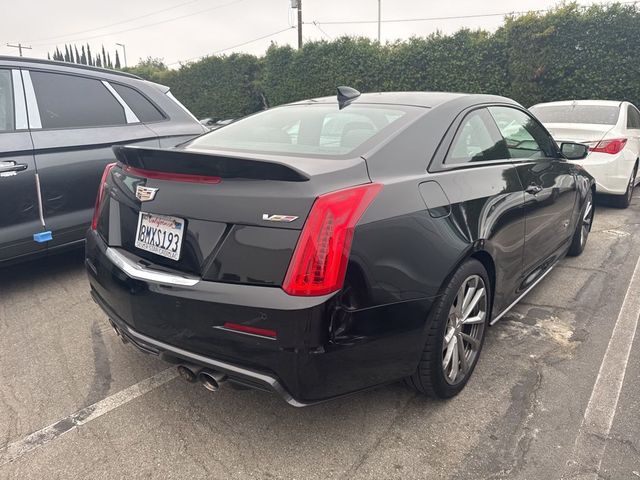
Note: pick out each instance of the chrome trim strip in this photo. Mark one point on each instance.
(220, 327)
(128, 113)
(522, 296)
(138, 272)
(39, 193)
(22, 121)
(32, 102)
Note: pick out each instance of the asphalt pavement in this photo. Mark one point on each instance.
(556, 393)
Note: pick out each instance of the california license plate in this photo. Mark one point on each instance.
(160, 234)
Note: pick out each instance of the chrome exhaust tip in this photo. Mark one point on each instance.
(211, 380)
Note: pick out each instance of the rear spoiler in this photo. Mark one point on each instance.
(185, 162)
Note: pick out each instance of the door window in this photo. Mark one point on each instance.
(6, 102)
(477, 140)
(143, 108)
(633, 117)
(525, 137)
(69, 101)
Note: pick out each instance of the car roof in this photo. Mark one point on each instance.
(27, 60)
(418, 99)
(567, 103)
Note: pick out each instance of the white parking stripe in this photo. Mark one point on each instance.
(598, 417)
(17, 449)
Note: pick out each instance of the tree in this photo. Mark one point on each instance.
(89, 58)
(117, 65)
(66, 54)
(77, 60)
(98, 61)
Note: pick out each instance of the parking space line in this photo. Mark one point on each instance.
(598, 417)
(17, 449)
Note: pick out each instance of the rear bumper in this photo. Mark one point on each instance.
(173, 354)
(611, 172)
(321, 351)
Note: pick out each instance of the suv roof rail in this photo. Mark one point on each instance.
(68, 64)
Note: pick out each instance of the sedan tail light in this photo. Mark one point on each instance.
(611, 146)
(100, 196)
(319, 262)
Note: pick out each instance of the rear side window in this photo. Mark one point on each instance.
(141, 106)
(68, 101)
(477, 140)
(320, 130)
(6, 102)
(633, 117)
(525, 137)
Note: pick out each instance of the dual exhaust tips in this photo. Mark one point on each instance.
(210, 379)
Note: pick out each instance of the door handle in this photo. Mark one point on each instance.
(534, 189)
(11, 166)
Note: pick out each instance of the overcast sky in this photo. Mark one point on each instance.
(181, 30)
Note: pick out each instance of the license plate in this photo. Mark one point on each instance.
(160, 234)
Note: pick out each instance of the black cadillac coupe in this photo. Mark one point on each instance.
(333, 245)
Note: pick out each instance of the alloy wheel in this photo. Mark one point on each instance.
(464, 329)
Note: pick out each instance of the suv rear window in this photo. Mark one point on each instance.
(320, 130)
(69, 101)
(143, 108)
(593, 114)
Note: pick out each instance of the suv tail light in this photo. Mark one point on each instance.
(611, 147)
(319, 262)
(100, 196)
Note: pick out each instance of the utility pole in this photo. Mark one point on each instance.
(379, 18)
(124, 51)
(19, 47)
(298, 4)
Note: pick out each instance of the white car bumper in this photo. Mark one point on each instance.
(611, 172)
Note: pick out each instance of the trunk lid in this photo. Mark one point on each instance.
(242, 214)
(581, 133)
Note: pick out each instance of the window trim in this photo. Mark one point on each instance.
(33, 110)
(20, 117)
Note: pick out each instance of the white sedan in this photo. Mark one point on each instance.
(612, 131)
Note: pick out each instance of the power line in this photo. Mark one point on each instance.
(148, 24)
(80, 32)
(234, 46)
(452, 17)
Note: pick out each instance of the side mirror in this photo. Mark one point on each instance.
(574, 151)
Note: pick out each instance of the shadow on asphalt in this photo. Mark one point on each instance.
(27, 272)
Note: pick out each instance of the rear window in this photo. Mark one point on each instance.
(143, 108)
(594, 114)
(316, 130)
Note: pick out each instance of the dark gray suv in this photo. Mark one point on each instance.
(58, 123)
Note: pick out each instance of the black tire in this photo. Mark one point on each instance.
(429, 377)
(583, 227)
(623, 201)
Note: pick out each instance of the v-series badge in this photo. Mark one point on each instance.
(278, 218)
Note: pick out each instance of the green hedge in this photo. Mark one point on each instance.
(569, 53)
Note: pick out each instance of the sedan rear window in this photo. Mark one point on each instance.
(318, 130)
(593, 114)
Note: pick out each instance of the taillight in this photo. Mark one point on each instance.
(611, 147)
(100, 196)
(319, 262)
